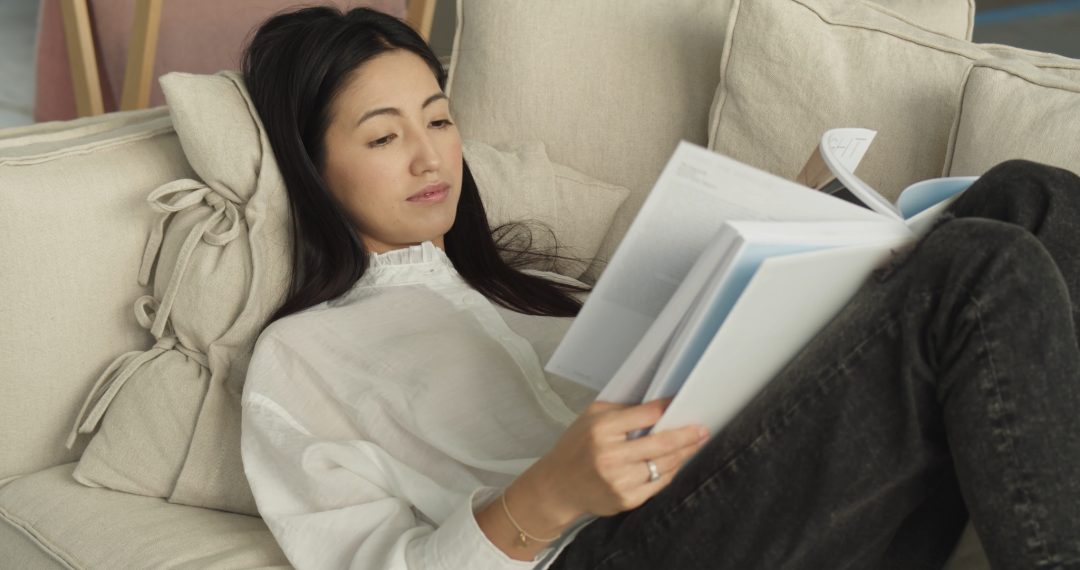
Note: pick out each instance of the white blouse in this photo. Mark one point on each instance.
(375, 424)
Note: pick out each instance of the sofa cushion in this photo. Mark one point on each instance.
(1066, 67)
(610, 86)
(843, 64)
(1011, 109)
(854, 65)
(520, 184)
(47, 519)
(219, 261)
(72, 219)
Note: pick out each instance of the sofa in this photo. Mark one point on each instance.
(140, 251)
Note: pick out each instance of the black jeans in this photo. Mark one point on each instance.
(948, 387)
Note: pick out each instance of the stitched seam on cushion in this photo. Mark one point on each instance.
(46, 545)
(716, 110)
(602, 185)
(954, 132)
(1065, 85)
(64, 132)
(896, 35)
(86, 148)
(1040, 59)
(905, 18)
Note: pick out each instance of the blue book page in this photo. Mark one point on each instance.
(922, 195)
(715, 312)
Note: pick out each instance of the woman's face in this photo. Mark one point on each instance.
(393, 158)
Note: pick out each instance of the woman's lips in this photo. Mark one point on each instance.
(433, 193)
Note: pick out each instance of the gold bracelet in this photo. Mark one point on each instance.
(522, 535)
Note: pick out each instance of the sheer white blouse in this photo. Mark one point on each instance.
(375, 424)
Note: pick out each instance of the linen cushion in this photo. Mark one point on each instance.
(520, 184)
(71, 222)
(1066, 67)
(219, 261)
(47, 520)
(1011, 109)
(843, 64)
(609, 86)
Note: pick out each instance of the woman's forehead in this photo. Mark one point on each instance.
(398, 78)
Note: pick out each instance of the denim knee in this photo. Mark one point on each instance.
(1022, 168)
(1020, 183)
(977, 241)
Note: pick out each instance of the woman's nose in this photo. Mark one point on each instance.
(426, 157)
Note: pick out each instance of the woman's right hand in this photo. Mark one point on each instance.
(594, 469)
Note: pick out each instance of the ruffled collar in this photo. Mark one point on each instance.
(423, 263)
(425, 252)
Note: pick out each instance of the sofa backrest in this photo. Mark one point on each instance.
(610, 86)
(73, 217)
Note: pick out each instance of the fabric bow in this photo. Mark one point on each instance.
(185, 194)
(110, 382)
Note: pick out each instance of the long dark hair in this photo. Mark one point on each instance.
(293, 67)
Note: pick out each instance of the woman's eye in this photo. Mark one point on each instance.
(441, 124)
(381, 142)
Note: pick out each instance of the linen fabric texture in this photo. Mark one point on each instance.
(520, 184)
(833, 49)
(637, 85)
(219, 260)
(376, 423)
(1011, 109)
(48, 520)
(71, 222)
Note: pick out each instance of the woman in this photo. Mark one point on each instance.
(396, 414)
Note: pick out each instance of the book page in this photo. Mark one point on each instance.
(767, 327)
(695, 194)
(753, 243)
(840, 148)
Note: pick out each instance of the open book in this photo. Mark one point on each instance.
(727, 272)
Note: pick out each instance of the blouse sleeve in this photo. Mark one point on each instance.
(331, 503)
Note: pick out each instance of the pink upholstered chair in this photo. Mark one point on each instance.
(198, 36)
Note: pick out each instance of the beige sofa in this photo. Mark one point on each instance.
(608, 87)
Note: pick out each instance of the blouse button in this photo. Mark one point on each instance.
(542, 387)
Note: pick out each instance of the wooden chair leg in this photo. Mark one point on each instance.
(142, 47)
(420, 15)
(82, 58)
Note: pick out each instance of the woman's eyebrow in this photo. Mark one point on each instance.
(395, 111)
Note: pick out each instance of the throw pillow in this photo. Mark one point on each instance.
(839, 64)
(1011, 109)
(218, 259)
(520, 184)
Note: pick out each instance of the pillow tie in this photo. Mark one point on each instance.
(108, 385)
(187, 193)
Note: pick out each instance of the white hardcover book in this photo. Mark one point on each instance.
(728, 271)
